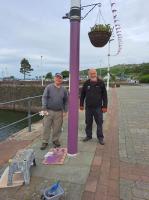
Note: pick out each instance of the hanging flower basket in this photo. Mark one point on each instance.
(100, 35)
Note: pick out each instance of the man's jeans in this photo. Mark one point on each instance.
(97, 114)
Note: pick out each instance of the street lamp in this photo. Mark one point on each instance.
(41, 69)
(75, 17)
(108, 71)
(100, 68)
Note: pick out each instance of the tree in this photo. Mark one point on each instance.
(12, 77)
(65, 74)
(25, 67)
(144, 78)
(49, 75)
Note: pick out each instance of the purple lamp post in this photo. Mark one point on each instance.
(75, 16)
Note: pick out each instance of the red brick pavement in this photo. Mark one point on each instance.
(135, 172)
(103, 180)
(106, 169)
(9, 148)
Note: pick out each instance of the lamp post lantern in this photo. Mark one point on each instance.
(41, 74)
(75, 17)
(108, 71)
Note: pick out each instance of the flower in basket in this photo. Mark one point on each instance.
(101, 28)
(100, 34)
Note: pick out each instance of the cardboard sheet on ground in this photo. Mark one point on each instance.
(17, 179)
(55, 156)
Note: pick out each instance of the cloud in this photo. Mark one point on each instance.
(32, 29)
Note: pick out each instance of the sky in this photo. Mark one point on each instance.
(33, 29)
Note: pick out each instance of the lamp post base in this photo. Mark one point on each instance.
(72, 155)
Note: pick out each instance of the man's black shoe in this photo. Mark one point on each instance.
(43, 146)
(86, 139)
(101, 142)
(56, 143)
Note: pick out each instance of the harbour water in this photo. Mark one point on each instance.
(8, 117)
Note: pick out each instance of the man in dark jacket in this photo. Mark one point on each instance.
(95, 96)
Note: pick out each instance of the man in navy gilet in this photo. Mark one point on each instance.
(94, 95)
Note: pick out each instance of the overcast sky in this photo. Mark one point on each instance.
(34, 28)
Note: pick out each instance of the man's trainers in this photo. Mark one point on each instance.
(101, 142)
(86, 139)
(43, 146)
(56, 143)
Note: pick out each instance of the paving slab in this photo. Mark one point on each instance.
(72, 174)
(119, 170)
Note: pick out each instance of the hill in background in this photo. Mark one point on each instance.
(122, 72)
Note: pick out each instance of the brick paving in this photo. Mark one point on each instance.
(20, 140)
(103, 180)
(120, 169)
(133, 142)
(9, 148)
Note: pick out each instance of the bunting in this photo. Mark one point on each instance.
(116, 25)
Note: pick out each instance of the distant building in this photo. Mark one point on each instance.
(9, 78)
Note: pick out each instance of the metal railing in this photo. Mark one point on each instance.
(29, 116)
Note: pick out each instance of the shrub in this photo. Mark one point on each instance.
(102, 27)
(144, 78)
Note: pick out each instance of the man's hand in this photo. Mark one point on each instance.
(43, 113)
(104, 110)
(81, 108)
(65, 114)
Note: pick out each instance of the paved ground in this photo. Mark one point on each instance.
(117, 171)
(72, 175)
(134, 142)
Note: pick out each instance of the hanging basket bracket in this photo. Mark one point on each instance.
(93, 6)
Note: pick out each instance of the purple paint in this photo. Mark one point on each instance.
(74, 87)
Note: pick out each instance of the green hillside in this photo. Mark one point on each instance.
(134, 71)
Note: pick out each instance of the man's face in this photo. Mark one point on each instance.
(58, 80)
(92, 74)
